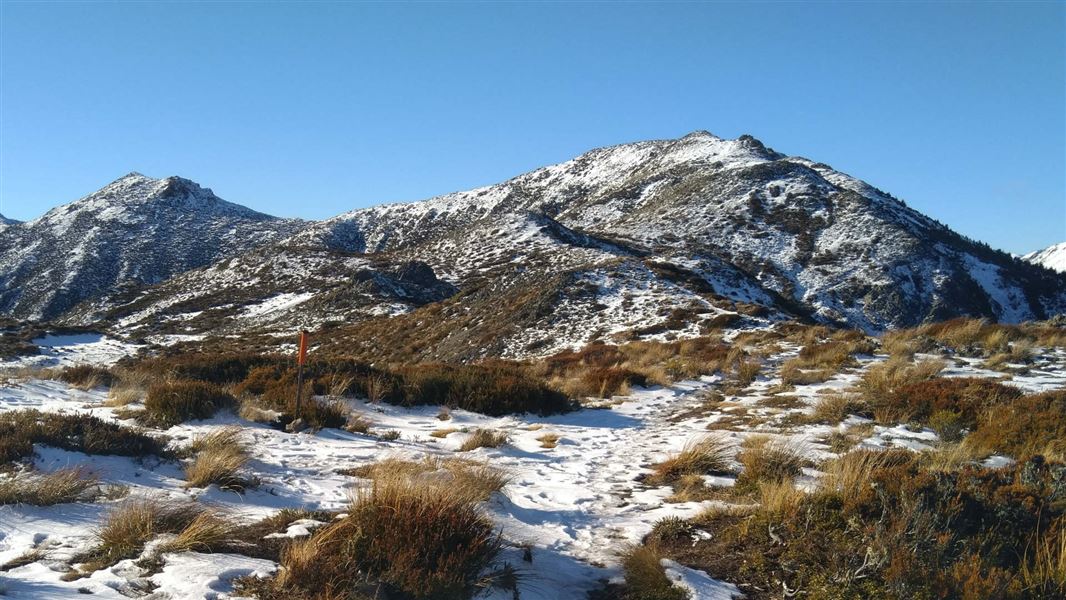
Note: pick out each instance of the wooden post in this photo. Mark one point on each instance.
(301, 357)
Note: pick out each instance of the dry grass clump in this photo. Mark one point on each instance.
(168, 404)
(21, 429)
(130, 525)
(549, 440)
(645, 578)
(206, 532)
(402, 538)
(220, 457)
(767, 459)
(1044, 569)
(47, 489)
(834, 408)
(483, 438)
(86, 377)
(467, 478)
(710, 454)
(881, 382)
(357, 423)
(849, 476)
(819, 361)
(779, 497)
(443, 433)
(1024, 427)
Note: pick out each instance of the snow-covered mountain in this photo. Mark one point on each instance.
(5, 222)
(663, 238)
(1052, 257)
(134, 231)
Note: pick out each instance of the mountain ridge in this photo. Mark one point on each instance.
(660, 239)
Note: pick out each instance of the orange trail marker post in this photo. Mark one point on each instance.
(301, 358)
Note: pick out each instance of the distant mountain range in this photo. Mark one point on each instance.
(1052, 257)
(663, 238)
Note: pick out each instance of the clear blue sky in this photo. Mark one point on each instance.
(314, 109)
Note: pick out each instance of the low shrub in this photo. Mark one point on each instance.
(958, 400)
(494, 388)
(19, 430)
(884, 527)
(1024, 427)
(171, 403)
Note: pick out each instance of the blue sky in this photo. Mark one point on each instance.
(314, 109)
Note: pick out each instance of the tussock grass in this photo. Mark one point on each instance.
(549, 440)
(767, 459)
(710, 454)
(645, 578)
(1044, 567)
(881, 382)
(469, 479)
(130, 525)
(170, 403)
(220, 457)
(849, 476)
(443, 433)
(402, 538)
(205, 533)
(779, 497)
(834, 408)
(47, 489)
(86, 377)
(483, 438)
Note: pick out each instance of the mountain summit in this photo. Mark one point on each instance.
(133, 231)
(661, 238)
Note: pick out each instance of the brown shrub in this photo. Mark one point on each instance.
(1027, 426)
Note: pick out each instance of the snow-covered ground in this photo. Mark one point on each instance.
(576, 505)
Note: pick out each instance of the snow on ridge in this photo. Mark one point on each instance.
(1052, 257)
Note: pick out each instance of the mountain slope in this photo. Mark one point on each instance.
(5, 222)
(1052, 257)
(136, 230)
(662, 238)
